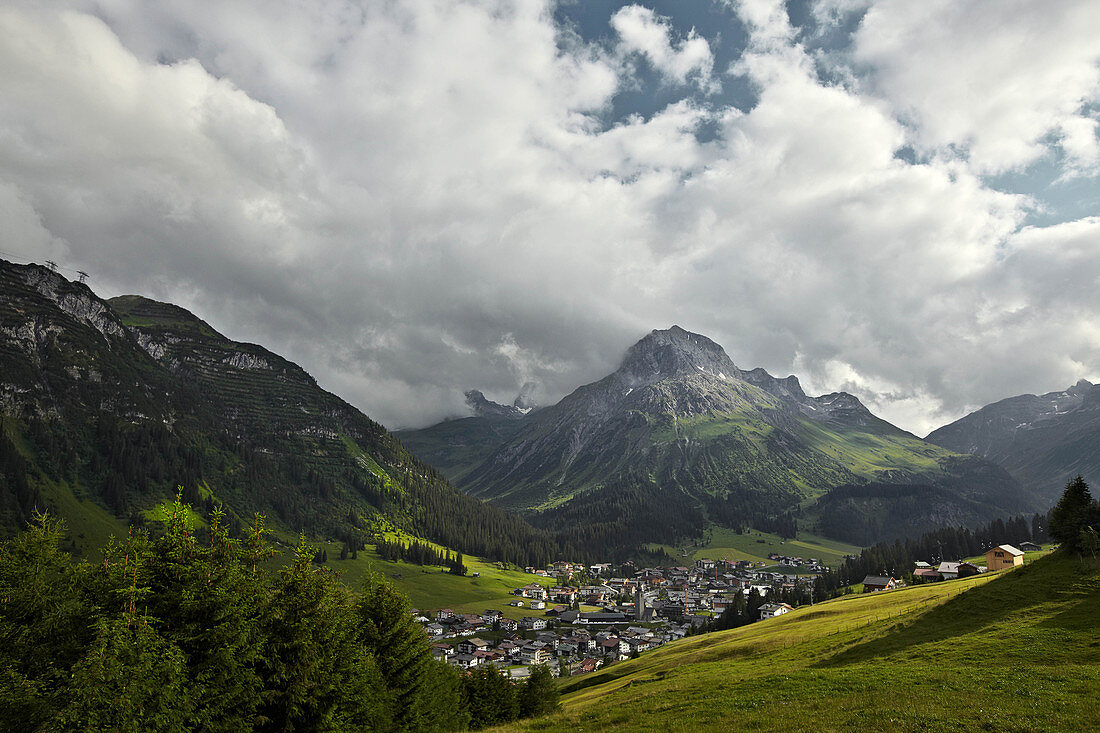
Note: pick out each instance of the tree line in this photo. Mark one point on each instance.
(420, 553)
(898, 558)
(178, 633)
(1075, 519)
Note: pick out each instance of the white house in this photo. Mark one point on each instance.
(771, 610)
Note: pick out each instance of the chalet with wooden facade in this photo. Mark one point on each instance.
(1002, 557)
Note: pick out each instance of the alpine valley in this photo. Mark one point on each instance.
(680, 436)
(109, 406)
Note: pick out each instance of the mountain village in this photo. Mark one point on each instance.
(647, 610)
(635, 614)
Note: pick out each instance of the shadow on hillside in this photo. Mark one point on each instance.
(983, 606)
(1081, 616)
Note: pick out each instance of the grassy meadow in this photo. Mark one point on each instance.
(721, 543)
(430, 588)
(1011, 651)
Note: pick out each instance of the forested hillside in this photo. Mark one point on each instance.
(108, 406)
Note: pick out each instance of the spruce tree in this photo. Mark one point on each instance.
(1073, 512)
(318, 675)
(400, 647)
(131, 679)
(490, 696)
(538, 695)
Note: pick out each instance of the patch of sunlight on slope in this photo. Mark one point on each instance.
(1011, 651)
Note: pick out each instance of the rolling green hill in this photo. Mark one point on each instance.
(1013, 651)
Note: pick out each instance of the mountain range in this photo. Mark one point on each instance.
(1043, 441)
(681, 433)
(108, 407)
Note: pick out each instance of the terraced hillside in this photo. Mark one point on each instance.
(1013, 651)
(108, 406)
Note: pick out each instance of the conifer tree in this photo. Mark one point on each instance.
(1075, 511)
(489, 696)
(131, 679)
(400, 647)
(538, 695)
(318, 676)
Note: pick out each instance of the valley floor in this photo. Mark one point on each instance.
(721, 543)
(1012, 651)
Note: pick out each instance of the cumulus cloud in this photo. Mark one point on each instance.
(989, 82)
(412, 199)
(642, 31)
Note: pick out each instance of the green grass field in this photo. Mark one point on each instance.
(428, 587)
(725, 544)
(1011, 651)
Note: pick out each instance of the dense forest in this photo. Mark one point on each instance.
(611, 524)
(864, 514)
(175, 633)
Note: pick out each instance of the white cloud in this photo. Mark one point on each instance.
(412, 199)
(992, 80)
(644, 32)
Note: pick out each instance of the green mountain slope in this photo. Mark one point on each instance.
(1043, 441)
(1013, 651)
(681, 435)
(107, 406)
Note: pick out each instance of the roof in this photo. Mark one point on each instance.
(1009, 549)
(877, 580)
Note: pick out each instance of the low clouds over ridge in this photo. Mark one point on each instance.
(412, 199)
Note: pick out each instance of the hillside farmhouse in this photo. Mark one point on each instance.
(1003, 556)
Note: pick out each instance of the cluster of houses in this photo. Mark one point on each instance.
(997, 558)
(568, 651)
(633, 614)
(805, 565)
(679, 594)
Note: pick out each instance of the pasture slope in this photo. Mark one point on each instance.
(1012, 651)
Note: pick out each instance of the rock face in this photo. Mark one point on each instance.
(484, 407)
(1043, 441)
(681, 424)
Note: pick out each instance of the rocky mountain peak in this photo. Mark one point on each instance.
(675, 352)
(1082, 386)
(485, 407)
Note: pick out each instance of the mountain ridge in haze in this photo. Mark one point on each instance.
(1042, 440)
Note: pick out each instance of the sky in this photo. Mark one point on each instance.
(412, 198)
